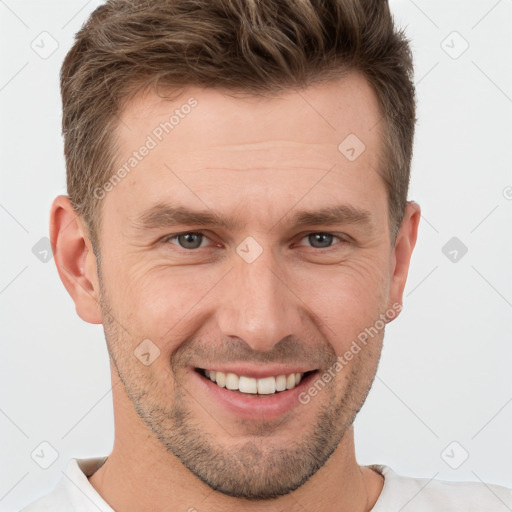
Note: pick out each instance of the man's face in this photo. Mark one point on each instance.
(260, 293)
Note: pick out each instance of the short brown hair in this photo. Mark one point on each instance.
(260, 47)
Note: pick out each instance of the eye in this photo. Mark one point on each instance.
(190, 240)
(321, 240)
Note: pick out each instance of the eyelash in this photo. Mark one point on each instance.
(168, 239)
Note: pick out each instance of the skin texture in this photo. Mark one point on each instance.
(258, 161)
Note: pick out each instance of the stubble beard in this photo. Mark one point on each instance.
(255, 468)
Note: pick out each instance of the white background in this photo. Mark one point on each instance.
(445, 373)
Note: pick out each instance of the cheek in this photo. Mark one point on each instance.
(166, 303)
(346, 298)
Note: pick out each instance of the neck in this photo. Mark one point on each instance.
(141, 475)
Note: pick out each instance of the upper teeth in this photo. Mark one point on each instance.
(264, 386)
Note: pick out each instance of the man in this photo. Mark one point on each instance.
(238, 221)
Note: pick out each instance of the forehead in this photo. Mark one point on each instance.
(319, 114)
(214, 147)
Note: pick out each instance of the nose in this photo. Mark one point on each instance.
(257, 303)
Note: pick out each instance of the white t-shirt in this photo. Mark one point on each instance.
(74, 493)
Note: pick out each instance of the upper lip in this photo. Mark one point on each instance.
(257, 372)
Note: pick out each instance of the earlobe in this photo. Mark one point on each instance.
(75, 260)
(402, 252)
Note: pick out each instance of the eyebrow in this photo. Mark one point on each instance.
(164, 215)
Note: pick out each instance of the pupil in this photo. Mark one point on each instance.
(323, 238)
(191, 240)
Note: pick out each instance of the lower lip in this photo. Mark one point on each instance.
(252, 406)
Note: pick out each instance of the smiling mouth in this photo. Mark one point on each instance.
(252, 386)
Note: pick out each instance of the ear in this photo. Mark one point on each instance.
(402, 252)
(75, 260)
